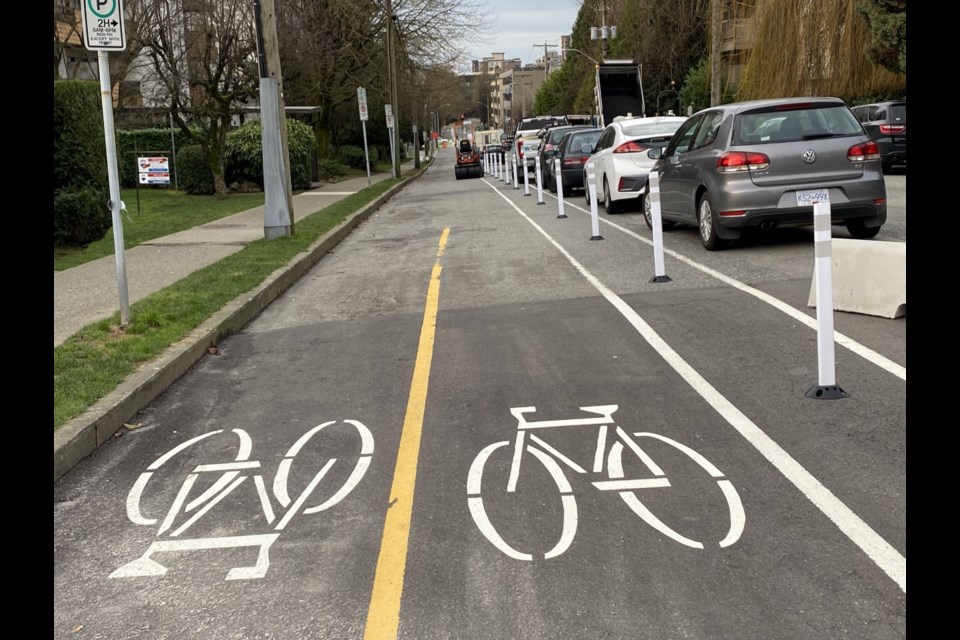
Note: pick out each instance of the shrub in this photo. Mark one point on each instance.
(352, 156)
(81, 216)
(330, 169)
(80, 188)
(193, 171)
(244, 153)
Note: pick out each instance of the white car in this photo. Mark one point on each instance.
(620, 161)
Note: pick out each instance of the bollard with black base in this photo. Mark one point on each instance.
(827, 387)
(659, 275)
(559, 180)
(539, 180)
(592, 190)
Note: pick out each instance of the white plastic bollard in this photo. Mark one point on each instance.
(659, 274)
(559, 180)
(506, 170)
(592, 188)
(486, 163)
(513, 161)
(539, 180)
(526, 177)
(827, 389)
(499, 160)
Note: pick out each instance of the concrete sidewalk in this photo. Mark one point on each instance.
(90, 292)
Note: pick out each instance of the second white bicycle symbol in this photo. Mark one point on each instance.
(229, 476)
(612, 442)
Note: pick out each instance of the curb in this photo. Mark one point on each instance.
(79, 437)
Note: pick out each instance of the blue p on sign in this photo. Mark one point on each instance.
(103, 25)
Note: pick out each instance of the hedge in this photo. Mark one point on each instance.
(244, 154)
(81, 191)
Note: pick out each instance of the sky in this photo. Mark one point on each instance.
(517, 25)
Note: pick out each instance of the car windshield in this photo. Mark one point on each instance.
(791, 123)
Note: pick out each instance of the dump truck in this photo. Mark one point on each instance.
(618, 90)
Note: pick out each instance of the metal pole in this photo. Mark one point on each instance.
(366, 152)
(659, 275)
(113, 176)
(173, 145)
(559, 180)
(827, 389)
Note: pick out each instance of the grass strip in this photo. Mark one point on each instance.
(95, 360)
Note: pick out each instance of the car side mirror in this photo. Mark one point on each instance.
(655, 153)
(586, 148)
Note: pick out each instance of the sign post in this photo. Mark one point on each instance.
(103, 32)
(364, 116)
(388, 108)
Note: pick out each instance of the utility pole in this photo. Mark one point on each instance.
(716, 27)
(546, 59)
(392, 65)
(278, 193)
(603, 33)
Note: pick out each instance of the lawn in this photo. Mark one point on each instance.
(162, 212)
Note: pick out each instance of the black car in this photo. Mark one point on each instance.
(574, 150)
(886, 123)
(549, 143)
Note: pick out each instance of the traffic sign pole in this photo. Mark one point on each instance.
(364, 116)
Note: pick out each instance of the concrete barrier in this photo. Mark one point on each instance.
(869, 277)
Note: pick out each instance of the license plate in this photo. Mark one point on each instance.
(813, 196)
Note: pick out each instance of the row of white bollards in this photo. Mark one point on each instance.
(827, 387)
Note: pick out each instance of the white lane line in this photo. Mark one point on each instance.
(859, 532)
(866, 353)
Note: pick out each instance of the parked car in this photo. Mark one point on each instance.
(886, 123)
(718, 174)
(575, 147)
(526, 140)
(549, 142)
(620, 160)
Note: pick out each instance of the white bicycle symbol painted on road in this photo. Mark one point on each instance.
(233, 474)
(607, 460)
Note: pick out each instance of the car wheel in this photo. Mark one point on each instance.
(857, 229)
(707, 223)
(648, 214)
(608, 203)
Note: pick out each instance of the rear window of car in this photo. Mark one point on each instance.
(784, 124)
(579, 140)
(651, 129)
(898, 112)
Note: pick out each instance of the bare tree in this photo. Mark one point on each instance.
(202, 55)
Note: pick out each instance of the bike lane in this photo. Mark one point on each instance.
(791, 574)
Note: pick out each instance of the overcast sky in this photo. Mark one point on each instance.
(518, 25)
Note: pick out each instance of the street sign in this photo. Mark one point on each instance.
(390, 121)
(362, 99)
(103, 25)
(388, 109)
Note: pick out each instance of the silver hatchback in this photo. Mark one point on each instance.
(763, 163)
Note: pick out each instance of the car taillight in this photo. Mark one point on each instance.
(863, 151)
(520, 148)
(631, 146)
(734, 161)
(572, 162)
(890, 129)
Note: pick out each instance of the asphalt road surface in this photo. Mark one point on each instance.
(471, 421)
